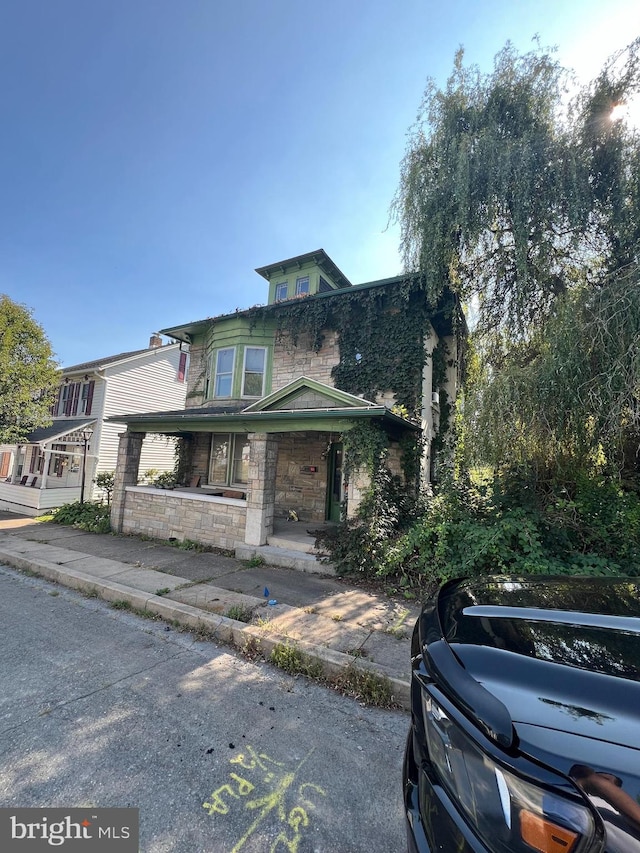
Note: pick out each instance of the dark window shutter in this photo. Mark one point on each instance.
(90, 397)
(56, 405)
(34, 459)
(76, 397)
(182, 366)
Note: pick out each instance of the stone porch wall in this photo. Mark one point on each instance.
(167, 514)
(291, 362)
(305, 493)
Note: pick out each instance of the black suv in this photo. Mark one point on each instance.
(525, 729)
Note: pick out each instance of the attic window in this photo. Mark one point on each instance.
(302, 285)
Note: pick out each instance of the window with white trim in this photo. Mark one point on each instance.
(282, 291)
(302, 285)
(255, 360)
(229, 463)
(223, 375)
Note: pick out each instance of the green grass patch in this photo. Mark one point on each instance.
(240, 612)
(294, 661)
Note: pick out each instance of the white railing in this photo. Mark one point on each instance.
(36, 498)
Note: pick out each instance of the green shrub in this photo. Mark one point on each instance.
(105, 480)
(94, 517)
(166, 480)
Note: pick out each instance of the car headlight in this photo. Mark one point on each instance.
(507, 812)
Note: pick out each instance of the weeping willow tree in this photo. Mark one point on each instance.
(526, 202)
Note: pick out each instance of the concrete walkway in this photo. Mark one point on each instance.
(331, 620)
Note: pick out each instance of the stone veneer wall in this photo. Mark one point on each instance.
(201, 455)
(196, 376)
(291, 362)
(183, 515)
(305, 493)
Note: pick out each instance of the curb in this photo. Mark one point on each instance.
(219, 628)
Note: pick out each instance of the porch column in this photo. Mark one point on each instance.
(45, 468)
(129, 449)
(261, 492)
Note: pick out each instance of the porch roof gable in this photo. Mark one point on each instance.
(334, 398)
(57, 430)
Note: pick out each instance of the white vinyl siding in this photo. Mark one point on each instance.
(146, 383)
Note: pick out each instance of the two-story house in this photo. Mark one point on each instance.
(272, 391)
(57, 464)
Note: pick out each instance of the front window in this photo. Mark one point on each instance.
(254, 369)
(229, 464)
(302, 285)
(86, 398)
(223, 382)
(65, 400)
(282, 291)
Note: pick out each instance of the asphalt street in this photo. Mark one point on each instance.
(101, 708)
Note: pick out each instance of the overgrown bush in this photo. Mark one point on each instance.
(504, 527)
(94, 517)
(360, 544)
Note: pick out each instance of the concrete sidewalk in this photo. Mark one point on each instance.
(331, 620)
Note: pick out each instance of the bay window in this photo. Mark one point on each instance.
(223, 379)
(254, 370)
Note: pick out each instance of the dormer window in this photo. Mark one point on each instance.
(302, 285)
(282, 291)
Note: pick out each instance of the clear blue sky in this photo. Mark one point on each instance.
(154, 152)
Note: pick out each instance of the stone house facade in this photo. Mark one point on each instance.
(263, 424)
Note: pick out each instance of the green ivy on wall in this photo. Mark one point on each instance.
(381, 335)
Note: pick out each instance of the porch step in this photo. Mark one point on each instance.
(289, 558)
(303, 544)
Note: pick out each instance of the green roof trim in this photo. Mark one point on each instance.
(185, 331)
(295, 420)
(319, 258)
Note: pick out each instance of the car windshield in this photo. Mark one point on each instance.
(590, 626)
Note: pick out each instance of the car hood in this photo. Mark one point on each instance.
(549, 695)
(585, 725)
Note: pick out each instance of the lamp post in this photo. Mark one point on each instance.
(85, 435)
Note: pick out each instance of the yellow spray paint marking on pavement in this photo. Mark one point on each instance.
(263, 787)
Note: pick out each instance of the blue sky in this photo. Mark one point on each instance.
(154, 152)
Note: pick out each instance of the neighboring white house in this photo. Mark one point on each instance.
(57, 464)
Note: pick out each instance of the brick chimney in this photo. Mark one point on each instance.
(155, 341)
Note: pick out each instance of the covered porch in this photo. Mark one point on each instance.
(54, 466)
(276, 464)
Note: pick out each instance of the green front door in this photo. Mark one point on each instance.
(335, 491)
